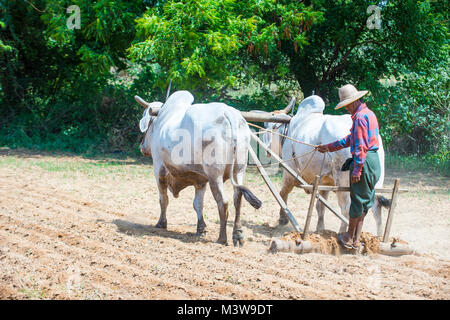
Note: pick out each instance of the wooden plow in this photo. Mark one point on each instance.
(395, 248)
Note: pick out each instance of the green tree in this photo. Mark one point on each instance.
(209, 46)
(205, 45)
(80, 82)
(41, 55)
(342, 48)
(415, 113)
(56, 82)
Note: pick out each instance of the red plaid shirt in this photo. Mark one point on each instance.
(362, 138)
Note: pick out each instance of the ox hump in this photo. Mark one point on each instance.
(311, 104)
(179, 100)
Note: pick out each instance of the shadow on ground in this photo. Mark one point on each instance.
(266, 230)
(137, 229)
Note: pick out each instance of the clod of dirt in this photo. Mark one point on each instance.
(326, 241)
(370, 243)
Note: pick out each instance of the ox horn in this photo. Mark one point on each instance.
(287, 109)
(141, 101)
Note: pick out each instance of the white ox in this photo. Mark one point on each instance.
(193, 144)
(310, 125)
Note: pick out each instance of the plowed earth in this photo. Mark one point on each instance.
(75, 228)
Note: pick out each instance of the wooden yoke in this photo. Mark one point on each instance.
(249, 116)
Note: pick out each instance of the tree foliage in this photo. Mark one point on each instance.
(343, 49)
(321, 43)
(206, 45)
(42, 55)
(57, 82)
(75, 83)
(415, 112)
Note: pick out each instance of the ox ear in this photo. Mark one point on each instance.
(145, 121)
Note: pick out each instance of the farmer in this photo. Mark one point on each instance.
(364, 165)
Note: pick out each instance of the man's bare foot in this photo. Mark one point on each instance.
(345, 240)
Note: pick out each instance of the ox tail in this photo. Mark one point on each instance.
(383, 201)
(248, 195)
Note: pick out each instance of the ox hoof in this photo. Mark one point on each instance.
(238, 238)
(222, 241)
(161, 224)
(240, 241)
(321, 228)
(201, 228)
(200, 233)
(283, 220)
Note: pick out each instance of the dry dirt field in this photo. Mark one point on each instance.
(75, 228)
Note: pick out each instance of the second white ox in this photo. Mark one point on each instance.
(310, 125)
(193, 144)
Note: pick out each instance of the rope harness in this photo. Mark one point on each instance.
(283, 135)
(294, 157)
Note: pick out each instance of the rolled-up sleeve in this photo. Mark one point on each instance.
(339, 144)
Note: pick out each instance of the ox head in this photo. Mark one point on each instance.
(272, 138)
(146, 124)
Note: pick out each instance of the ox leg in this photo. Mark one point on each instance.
(163, 202)
(288, 185)
(198, 207)
(320, 207)
(377, 215)
(344, 202)
(216, 186)
(238, 233)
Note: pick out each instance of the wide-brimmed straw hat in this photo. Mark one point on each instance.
(349, 94)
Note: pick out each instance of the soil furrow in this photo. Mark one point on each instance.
(88, 234)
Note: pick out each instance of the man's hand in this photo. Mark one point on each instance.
(355, 178)
(322, 148)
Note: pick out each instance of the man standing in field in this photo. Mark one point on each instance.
(364, 166)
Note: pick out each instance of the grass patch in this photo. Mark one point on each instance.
(416, 163)
(71, 167)
(33, 291)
